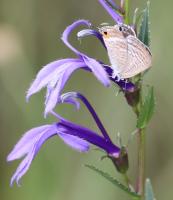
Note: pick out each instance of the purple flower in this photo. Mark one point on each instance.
(55, 74)
(75, 136)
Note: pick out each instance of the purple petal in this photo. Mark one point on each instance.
(22, 168)
(87, 135)
(74, 142)
(73, 96)
(117, 18)
(54, 94)
(46, 74)
(88, 32)
(52, 98)
(98, 70)
(47, 131)
(26, 142)
(70, 98)
(68, 31)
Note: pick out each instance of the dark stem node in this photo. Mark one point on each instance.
(122, 162)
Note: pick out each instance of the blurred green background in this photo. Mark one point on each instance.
(30, 32)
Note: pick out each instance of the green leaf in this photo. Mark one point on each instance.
(114, 181)
(144, 32)
(147, 109)
(149, 195)
(137, 17)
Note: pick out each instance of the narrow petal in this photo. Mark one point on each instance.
(22, 168)
(26, 142)
(70, 98)
(88, 32)
(26, 162)
(46, 74)
(68, 31)
(97, 70)
(74, 142)
(116, 17)
(54, 95)
(76, 95)
(52, 98)
(87, 135)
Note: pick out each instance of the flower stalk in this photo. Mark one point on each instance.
(135, 100)
(141, 162)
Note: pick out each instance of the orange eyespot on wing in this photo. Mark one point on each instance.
(106, 34)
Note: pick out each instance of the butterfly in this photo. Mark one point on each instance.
(127, 54)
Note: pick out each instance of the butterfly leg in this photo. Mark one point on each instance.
(116, 75)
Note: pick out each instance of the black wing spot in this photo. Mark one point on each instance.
(120, 28)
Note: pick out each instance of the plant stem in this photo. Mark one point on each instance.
(126, 11)
(141, 162)
(140, 182)
(126, 178)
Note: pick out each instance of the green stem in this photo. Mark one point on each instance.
(126, 178)
(140, 182)
(126, 18)
(124, 10)
(128, 182)
(141, 162)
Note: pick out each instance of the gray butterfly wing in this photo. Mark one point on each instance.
(117, 52)
(138, 57)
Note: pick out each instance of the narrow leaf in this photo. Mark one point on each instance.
(113, 181)
(137, 17)
(149, 195)
(144, 32)
(147, 109)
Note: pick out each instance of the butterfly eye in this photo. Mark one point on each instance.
(105, 33)
(120, 28)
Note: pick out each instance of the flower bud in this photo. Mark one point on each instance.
(132, 97)
(121, 162)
